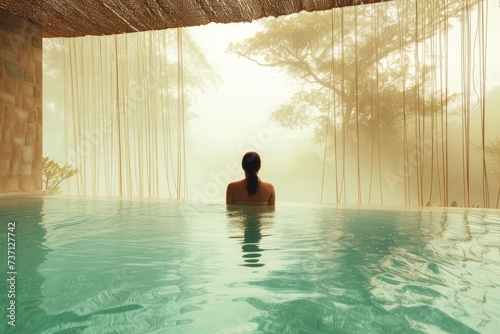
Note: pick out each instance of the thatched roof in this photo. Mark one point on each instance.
(71, 18)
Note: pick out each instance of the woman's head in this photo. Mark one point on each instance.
(251, 162)
(251, 165)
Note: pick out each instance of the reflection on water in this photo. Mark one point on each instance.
(250, 221)
(88, 266)
(29, 254)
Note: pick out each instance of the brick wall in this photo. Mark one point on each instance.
(20, 104)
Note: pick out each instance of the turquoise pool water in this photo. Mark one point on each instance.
(131, 266)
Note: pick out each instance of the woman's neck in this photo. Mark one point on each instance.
(246, 175)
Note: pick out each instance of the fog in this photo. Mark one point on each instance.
(233, 116)
(233, 119)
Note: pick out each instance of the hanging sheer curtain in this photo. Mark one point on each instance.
(423, 142)
(124, 114)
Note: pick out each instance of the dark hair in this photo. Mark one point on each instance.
(251, 165)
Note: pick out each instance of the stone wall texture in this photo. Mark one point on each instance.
(20, 104)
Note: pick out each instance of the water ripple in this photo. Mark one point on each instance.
(113, 265)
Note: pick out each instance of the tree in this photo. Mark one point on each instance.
(53, 174)
(369, 81)
(358, 60)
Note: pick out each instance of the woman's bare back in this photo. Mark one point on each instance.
(237, 193)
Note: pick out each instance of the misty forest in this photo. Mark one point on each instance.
(392, 104)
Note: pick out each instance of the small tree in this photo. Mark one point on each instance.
(53, 174)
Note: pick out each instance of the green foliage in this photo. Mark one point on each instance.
(53, 174)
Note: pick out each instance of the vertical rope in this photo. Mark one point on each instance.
(419, 120)
(444, 118)
(419, 106)
(433, 131)
(138, 146)
(402, 12)
(328, 111)
(156, 114)
(104, 119)
(483, 33)
(357, 101)
(379, 148)
(372, 107)
(342, 88)
(128, 114)
(181, 154)
(466, 56)
(119, 98)
(335, 113)
(168, 163)
(422, 101)
(67, 106)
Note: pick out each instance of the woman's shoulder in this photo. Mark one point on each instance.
(266, 185)
(235, 183)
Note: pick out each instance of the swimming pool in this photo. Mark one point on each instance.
(152, 266)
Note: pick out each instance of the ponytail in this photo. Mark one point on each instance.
(251, 165)
(252, 183)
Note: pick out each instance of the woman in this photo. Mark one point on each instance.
(251, 190)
